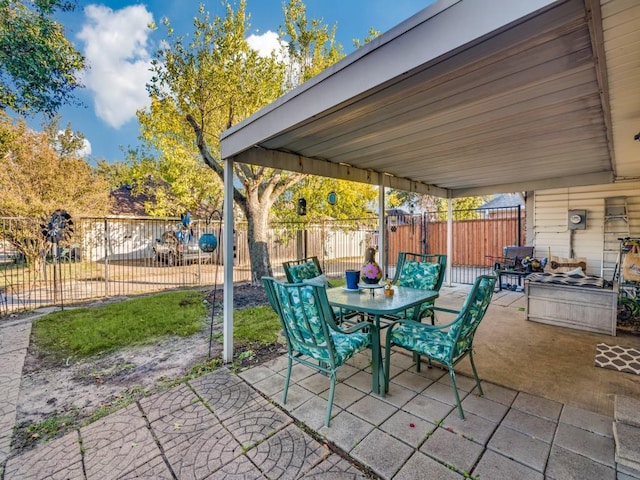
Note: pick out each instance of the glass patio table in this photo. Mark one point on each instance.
(376, 306)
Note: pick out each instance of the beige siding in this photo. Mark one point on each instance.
(551, 235)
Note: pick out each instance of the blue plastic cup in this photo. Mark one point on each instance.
(352, 279)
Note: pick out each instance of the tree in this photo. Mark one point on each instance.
(353, 200)
(214, 82)
(310, 48)
(35, 181)
(38, 65)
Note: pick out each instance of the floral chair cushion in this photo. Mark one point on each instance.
(348, 344)
(304, 271)
(309, 335)
(422, 275)
(434, 344)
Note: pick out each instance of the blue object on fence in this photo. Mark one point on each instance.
(208, 242)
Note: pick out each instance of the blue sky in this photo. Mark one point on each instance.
(116, 43)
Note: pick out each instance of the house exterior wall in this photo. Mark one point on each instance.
(551, 235)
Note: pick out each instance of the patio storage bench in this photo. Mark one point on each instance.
(581, 302)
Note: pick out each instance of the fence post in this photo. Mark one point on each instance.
(106, 257)
(519, 234)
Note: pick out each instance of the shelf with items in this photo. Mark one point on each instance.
(629, 284)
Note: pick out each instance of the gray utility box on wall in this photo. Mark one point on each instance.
(577, 220)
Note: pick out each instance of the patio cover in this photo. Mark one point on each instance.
(467, 97)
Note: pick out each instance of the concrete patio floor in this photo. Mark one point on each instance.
(547, 410)
(546, 414)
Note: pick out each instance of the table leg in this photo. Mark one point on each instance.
(377, 368)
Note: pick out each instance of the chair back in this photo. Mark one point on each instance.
(303, 269)
(463, 328)
(417, 270)
(305, 315)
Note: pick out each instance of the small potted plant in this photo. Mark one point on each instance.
(388, 288)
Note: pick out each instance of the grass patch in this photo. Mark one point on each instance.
(256, 325)
(84, 332)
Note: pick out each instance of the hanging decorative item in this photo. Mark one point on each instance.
(302, 206)
(58, 227)
(208, 242)
(370, 272)
(332, 198)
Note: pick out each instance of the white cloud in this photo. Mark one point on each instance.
(115, 46)
(85, 151)
(266, 43)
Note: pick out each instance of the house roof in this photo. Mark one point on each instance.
(468, 97)
(125, 204)
(504, 200)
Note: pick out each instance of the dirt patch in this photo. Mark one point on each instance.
(74, 390)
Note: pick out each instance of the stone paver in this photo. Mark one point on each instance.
(60, 457)
(422, 466)
(383, 453)
(498, 467)
(586, 420)
(567, 465)
(538, 406)
(408, 428)
(117, 445)
(288, 454)
(585, 443)
(520, 447)
(452, 449)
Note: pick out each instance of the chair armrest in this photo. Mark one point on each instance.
(446, 310)
(354, 327)
(421, 325)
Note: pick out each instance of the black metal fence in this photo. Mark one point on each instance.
(107, 257)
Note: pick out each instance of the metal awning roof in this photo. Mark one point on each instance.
(468, 97)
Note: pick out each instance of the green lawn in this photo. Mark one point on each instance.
(84, 332)
(88, 331)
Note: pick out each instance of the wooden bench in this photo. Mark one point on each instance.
(510, 265)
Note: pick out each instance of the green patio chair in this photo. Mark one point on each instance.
(445, 344)
(307, 270)
(298, 271)
(311, 331)
(417, 270)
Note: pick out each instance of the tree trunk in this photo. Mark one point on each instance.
(257, 237)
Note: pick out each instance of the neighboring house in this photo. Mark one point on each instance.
(504, 205)
(127, 234)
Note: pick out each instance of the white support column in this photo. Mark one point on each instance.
(227, 302)
(382, 235)
(448, 276)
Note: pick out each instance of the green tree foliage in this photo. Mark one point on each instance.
(311, 46)
(436, 207)
(354, 200)
(463, 208)
(213, 80)
(202, 85)
(371, 35)
(35, 180)
(117, 174)
(38, 65)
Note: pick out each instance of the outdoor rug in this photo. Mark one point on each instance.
(618, 358)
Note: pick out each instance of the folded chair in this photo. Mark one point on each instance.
(425, 271)
(445, 344)
(313, 338)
